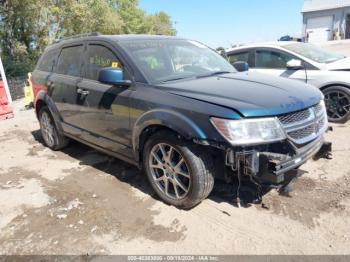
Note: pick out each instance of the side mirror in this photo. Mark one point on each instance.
(294, 64)
(241, 66)
(113, 76)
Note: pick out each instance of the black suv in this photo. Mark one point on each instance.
(179, 110)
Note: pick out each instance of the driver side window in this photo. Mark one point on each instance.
(99, 57)
(271, 59)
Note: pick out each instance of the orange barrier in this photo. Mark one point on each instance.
(6, 110)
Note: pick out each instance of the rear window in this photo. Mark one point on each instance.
(69, 61)
(47, 61)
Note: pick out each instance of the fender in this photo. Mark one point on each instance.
(166, 118)
(42, 96)
(331, 78)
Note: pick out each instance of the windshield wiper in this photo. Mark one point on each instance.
(174, 79)
(200, 76)
(215, 73)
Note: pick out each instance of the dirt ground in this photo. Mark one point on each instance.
(79, 201)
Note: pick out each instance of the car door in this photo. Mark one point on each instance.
(104, 112)
(274, 62)
(63, 85)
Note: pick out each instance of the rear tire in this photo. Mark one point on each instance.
(337, 99)
(49, 132)
(180, 166)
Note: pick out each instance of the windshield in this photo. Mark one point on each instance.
(168, 60)
(314, 53)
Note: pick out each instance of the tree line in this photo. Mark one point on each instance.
(28, 26)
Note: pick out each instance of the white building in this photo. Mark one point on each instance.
(325, 20)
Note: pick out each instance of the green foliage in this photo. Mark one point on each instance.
(160, 23)
(74, 17)
(28, 26)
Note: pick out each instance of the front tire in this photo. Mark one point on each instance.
(180, 173)
(337, 100)
(49, 132)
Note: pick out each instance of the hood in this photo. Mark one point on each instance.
(342, 64)
(249, 93)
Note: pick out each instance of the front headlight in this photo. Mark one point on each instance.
(249, 131)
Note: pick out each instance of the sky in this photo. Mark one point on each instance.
(229, 22)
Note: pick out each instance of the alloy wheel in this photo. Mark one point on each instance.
(47, 129)
(337, 104)
(170, 171)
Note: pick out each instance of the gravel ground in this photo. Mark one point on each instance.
(79, 201)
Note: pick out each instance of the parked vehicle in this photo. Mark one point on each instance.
(178, 110)
(326, 70)
(290, 38)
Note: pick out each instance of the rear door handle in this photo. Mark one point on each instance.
(82, 92)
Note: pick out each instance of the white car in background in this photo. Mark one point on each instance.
(328, 71)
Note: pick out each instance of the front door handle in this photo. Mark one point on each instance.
(83, 92)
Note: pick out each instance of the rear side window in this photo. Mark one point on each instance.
(99, 57)
(240, 57)
(47, 61)
(271, 59)
(69, 62)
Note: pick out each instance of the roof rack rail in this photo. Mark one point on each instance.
(77, 36)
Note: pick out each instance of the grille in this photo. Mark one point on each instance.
(301, 133)
(295, 117)
(304, 126)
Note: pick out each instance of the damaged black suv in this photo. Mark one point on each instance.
(177, 109)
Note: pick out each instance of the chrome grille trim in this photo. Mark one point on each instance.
(306, 125)
(295, 117)
(318, 109)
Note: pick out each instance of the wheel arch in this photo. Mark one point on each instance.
(38, 105)
(42, 100)
(322, 88)
(157, 120)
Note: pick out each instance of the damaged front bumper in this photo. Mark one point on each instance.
(269, 168)
(278, 165)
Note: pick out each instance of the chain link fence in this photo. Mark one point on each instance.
(16, 85)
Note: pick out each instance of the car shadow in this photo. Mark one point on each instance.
(124, 172)
(119, 169)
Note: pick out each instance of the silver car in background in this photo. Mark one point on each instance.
(328, 71)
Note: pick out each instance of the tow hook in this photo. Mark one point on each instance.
(324, 152)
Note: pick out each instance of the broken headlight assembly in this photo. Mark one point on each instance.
(249, 131)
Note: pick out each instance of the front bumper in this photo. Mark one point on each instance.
(278, 165)
(304, 154)
(269, 168)
(281, 164)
